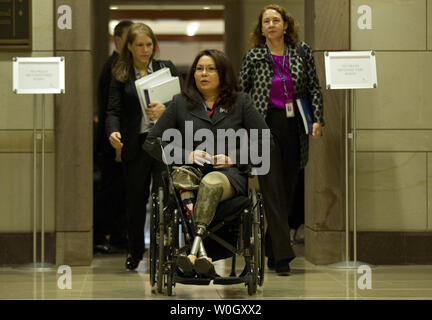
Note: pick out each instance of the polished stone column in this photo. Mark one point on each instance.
(74, 133)
(327, 29)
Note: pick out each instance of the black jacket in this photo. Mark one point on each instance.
(124, 110)
(102, 146)
(242, 116)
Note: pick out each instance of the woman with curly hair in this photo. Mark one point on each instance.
(277, 71)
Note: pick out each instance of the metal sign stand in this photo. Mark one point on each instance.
(350, 70)
(350, 264)
(38, 76)
(41, 266)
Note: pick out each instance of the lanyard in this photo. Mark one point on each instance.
(275, 66)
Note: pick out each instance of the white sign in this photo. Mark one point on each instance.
(350, 70)
(38, 75)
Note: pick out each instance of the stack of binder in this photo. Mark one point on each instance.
(159, 86)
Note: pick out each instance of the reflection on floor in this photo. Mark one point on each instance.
(106, 278)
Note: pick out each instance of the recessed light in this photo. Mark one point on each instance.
(206, 8)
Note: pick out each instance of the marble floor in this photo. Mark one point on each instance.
(106, 278)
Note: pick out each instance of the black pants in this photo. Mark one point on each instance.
(279, 185)
(297, 217)
(139, 173)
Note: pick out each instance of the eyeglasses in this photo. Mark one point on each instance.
(201, 69)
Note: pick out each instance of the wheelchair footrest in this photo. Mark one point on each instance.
(228, 280)
(192, 280)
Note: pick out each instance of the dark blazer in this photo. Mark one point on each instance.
(124, 110)
(102, 144)
(243, 115)
(256, 77)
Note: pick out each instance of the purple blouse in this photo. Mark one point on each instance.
(277, 97)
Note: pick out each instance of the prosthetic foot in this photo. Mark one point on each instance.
(203, 265)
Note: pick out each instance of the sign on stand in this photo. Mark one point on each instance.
(350, 70)
(38, 75)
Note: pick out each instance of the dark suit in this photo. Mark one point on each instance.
(242, 116)
(124, 116)
(109, 203)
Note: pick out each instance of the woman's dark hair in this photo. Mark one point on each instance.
(291, 35)
(124, 65)
(228, 86)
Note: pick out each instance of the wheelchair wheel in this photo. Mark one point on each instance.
(258, 239)
(169, 282)
(252, 284)
(173, 234)
(153, 235)
(161, 246)
(260, 212)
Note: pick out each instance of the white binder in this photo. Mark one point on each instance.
(163, 91)
(158, 86)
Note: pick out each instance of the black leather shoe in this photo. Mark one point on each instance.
(131, 262)
(283, 268)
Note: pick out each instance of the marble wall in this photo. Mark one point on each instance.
(393, 121)
(18, 114)
(394, 134)
(74, 137)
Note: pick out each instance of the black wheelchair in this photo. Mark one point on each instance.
(236, 230)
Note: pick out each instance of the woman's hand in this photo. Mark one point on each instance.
(221, 161)
(155, 110)
(199, 157)
(115, 140)
(316, 130)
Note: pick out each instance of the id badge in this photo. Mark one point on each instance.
(289, 108)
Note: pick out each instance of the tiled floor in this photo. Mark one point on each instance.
(106, 278)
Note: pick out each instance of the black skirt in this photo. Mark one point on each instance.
(237, 178)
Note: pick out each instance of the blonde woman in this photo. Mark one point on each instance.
(127, 130)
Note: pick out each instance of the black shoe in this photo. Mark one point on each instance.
(204, 267)
(131, 262)
(271, 263)
(283, 268)
(185, 265)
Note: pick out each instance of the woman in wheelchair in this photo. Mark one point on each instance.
(211, 102)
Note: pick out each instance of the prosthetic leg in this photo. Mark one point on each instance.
(214, 188)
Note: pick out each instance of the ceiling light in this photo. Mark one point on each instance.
(192, 28)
